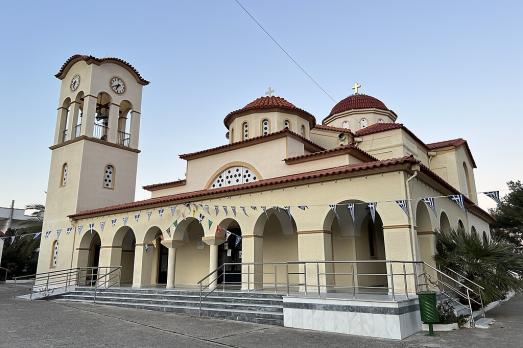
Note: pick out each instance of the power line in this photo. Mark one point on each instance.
(284, 51)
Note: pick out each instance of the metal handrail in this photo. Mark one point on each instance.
(107, 280)
(5, 273)
(462, 276)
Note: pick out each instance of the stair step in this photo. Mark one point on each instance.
(484, 323)
(185, 292)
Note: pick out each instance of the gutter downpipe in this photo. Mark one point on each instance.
(413, 241)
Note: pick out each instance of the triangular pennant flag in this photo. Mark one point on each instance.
(173, 210)
(160, 212)
(113, 222)
(201, 217)
(137, 217)
(238, 240)
(168, 231)
(36, 235)
(225, 209)
(12, 239)
(210, 224)
(175, 223)
(264, 208)
(102, 225)
(253, 207)
(493, 195)
(79, 228)
(429, 201)
(372, 208)
(333, 208)
(458, 199)
(244, 211)
(206, 208)
(68, 230)
(227, 234)
(216, 210)
(403, 204)
(146, 247)
(288, 210)
(233, 208)
(91, 227)
(58, 232)
(47, 234)
(303, 207)
(350, 206)
(149, 213)
(125, 219)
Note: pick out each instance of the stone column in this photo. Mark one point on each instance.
(171, 261)
(313, 246)
(60, 125)
(135, 128)
(88, 115)
(398, 246)
(252, 257)
(75, 109)
(112, 135)
(213, 243)
(141, 265)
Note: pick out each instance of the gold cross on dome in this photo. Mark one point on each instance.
(355, 87)
(269, 92)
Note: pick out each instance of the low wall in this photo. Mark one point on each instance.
(389, 319)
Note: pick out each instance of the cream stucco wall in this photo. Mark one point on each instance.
(352, 118)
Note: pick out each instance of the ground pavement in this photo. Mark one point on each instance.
(65, 324)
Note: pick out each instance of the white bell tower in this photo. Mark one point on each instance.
(95, 149)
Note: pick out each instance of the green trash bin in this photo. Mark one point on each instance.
(428, 309)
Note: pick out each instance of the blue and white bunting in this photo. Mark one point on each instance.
(137, 217)
(36, 235)
(12, 239)
(79, 228)
(288, 210)
(102, 225)
(160, 212)
(233, 208)
(201, 217)
(458, 199)
(303, 207)
(113, 222)
(47, 234)
(68, 230)
(91, 227)
(58, 232)
(206, 209)
(429, 201)
(173, 210)
(372, 208)
(149, 213)
(350, 206)
(216, 210)
(253, 207)
(404, 205)
(146, 247)
(243, 210)
(264, 209)
(125, 219)
(225, 209)
(493, 195)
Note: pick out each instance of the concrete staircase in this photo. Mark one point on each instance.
(262, 308)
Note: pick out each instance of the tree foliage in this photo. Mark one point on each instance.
(509, 217)
(492, 264)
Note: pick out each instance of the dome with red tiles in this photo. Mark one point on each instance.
(357, 101)
(269, 103)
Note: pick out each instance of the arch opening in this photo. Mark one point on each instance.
(230, 252)
(123, 253)
(89, 257)
(192, 253)
(444, 223)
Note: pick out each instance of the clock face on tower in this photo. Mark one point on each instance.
(75, 82)
(117, 85)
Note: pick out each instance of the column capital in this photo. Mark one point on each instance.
(211, 240)
(172, 243)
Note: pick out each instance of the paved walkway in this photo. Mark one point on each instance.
(63, 324)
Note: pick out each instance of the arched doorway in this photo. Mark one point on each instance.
(192, 256)
(230, 252)
(279, 244)
(154, 260)
(123, 253)
(359, 239)
(461, 226)
(89, 257)
(425, 234)
(444, 223)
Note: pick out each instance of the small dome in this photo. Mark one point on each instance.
(357, 101)
(270, 103)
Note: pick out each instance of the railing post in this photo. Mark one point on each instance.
(275, 279)
(318, 276)
(392, 281)
(472, 324)
(47, 284)
(223, 275)
(481, 301)
(405, 280)
(305, 276)
(248, 277)
(353, 282)
(200, 307)
(287, 267)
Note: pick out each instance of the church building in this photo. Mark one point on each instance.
(288, 187)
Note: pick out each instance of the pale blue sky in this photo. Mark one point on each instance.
(447, 68)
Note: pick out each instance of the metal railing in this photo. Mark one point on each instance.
(100, 131)
(3, 271)
(56, 282)
(124, 139)
(395, 279)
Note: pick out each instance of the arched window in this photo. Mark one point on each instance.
(232, 135)
(63, 180)
(101, 120)
(245, 128)
(302, 130)
(468, 184)
(380, 120)
(345, 124)
(54, 258)
(234, 176)
(124, 124)
(109, 176)
(287, 124)
(460, 225)
(64, 119)
(363, 123)
(266, 127)
(485, 238)
(473, 230)
(77, 117)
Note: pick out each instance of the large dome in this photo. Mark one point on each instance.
(270, 103)
(357, 101)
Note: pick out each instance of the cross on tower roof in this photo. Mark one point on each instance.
(355, 87)
(269, 92)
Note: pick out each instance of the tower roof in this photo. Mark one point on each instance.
(358, 101)
(93, 60)
(269, 103)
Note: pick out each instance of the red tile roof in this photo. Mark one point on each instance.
(93, 60)
(317, 174)
(358, 101)
(453, 143)
(268, 104)
(253, 141)
(378, 127)
(332, 129)
(350, 149)
(163, 185)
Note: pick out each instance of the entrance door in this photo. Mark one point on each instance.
(162, 264)
(231, 252)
